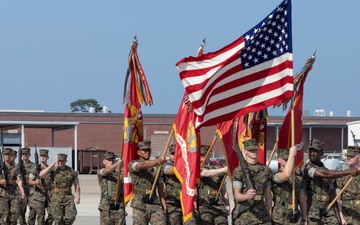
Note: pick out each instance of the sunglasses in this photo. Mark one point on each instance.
(146, 150)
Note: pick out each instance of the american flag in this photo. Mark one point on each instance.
(250, 74)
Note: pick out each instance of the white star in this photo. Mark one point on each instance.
(259, 52)
(256, 60)
(265, 56)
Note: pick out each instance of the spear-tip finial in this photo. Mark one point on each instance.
(203, 42)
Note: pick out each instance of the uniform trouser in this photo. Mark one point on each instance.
(213, 215)
(174, 215)
(9, 210)
(351, 214)
(318, 215)
(37, 211)
(23, 207)
(281, 216)
(153, 214)
(112, 217)
(63, 209)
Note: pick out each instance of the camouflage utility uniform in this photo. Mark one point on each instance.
(39, 200)
(350, 199)
(62, 201)
(145, 210)
(282, 197)
(212, 209)
(318, 196)
(9, 201)
(252, 211)
(174, 215)
(25, 171)
(110, 212)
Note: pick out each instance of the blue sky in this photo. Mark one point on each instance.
(55, 52)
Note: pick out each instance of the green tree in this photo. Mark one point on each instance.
(83, 105)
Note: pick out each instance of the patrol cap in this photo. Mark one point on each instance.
(316, 144)
(251, 144)
(145, 145)
(204, 149)
(109, 155)
(172, 149)
(44, 152)
(62, 157)
(352, 151)
(283, 153)
(25, 150)
(7, 151)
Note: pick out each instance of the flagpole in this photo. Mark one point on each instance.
(293, 144)
(221, 185)
(159, 167)
(118, 182)
(340, 192)
(209, 150)
(272, 154)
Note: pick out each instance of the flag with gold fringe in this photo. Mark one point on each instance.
(187, 154)
(285, 134)
(136, 92)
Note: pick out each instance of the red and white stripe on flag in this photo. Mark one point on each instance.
(250, 74)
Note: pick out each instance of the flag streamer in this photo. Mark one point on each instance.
(136, 92)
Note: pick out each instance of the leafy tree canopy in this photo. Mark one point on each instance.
(83, 105)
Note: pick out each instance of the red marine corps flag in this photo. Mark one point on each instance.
(284, 140)
(248, 75)
(136, 92)
(226, 137)
(187, 154)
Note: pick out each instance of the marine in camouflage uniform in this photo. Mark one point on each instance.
(174, 215)
(39, 199)
(282, 191)
(214, 207)
(250, 207)
(349, 208)
(143, 172)
(10, 180)
(320, 186)
(62, 179)
(27, 166)
(112, 210)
